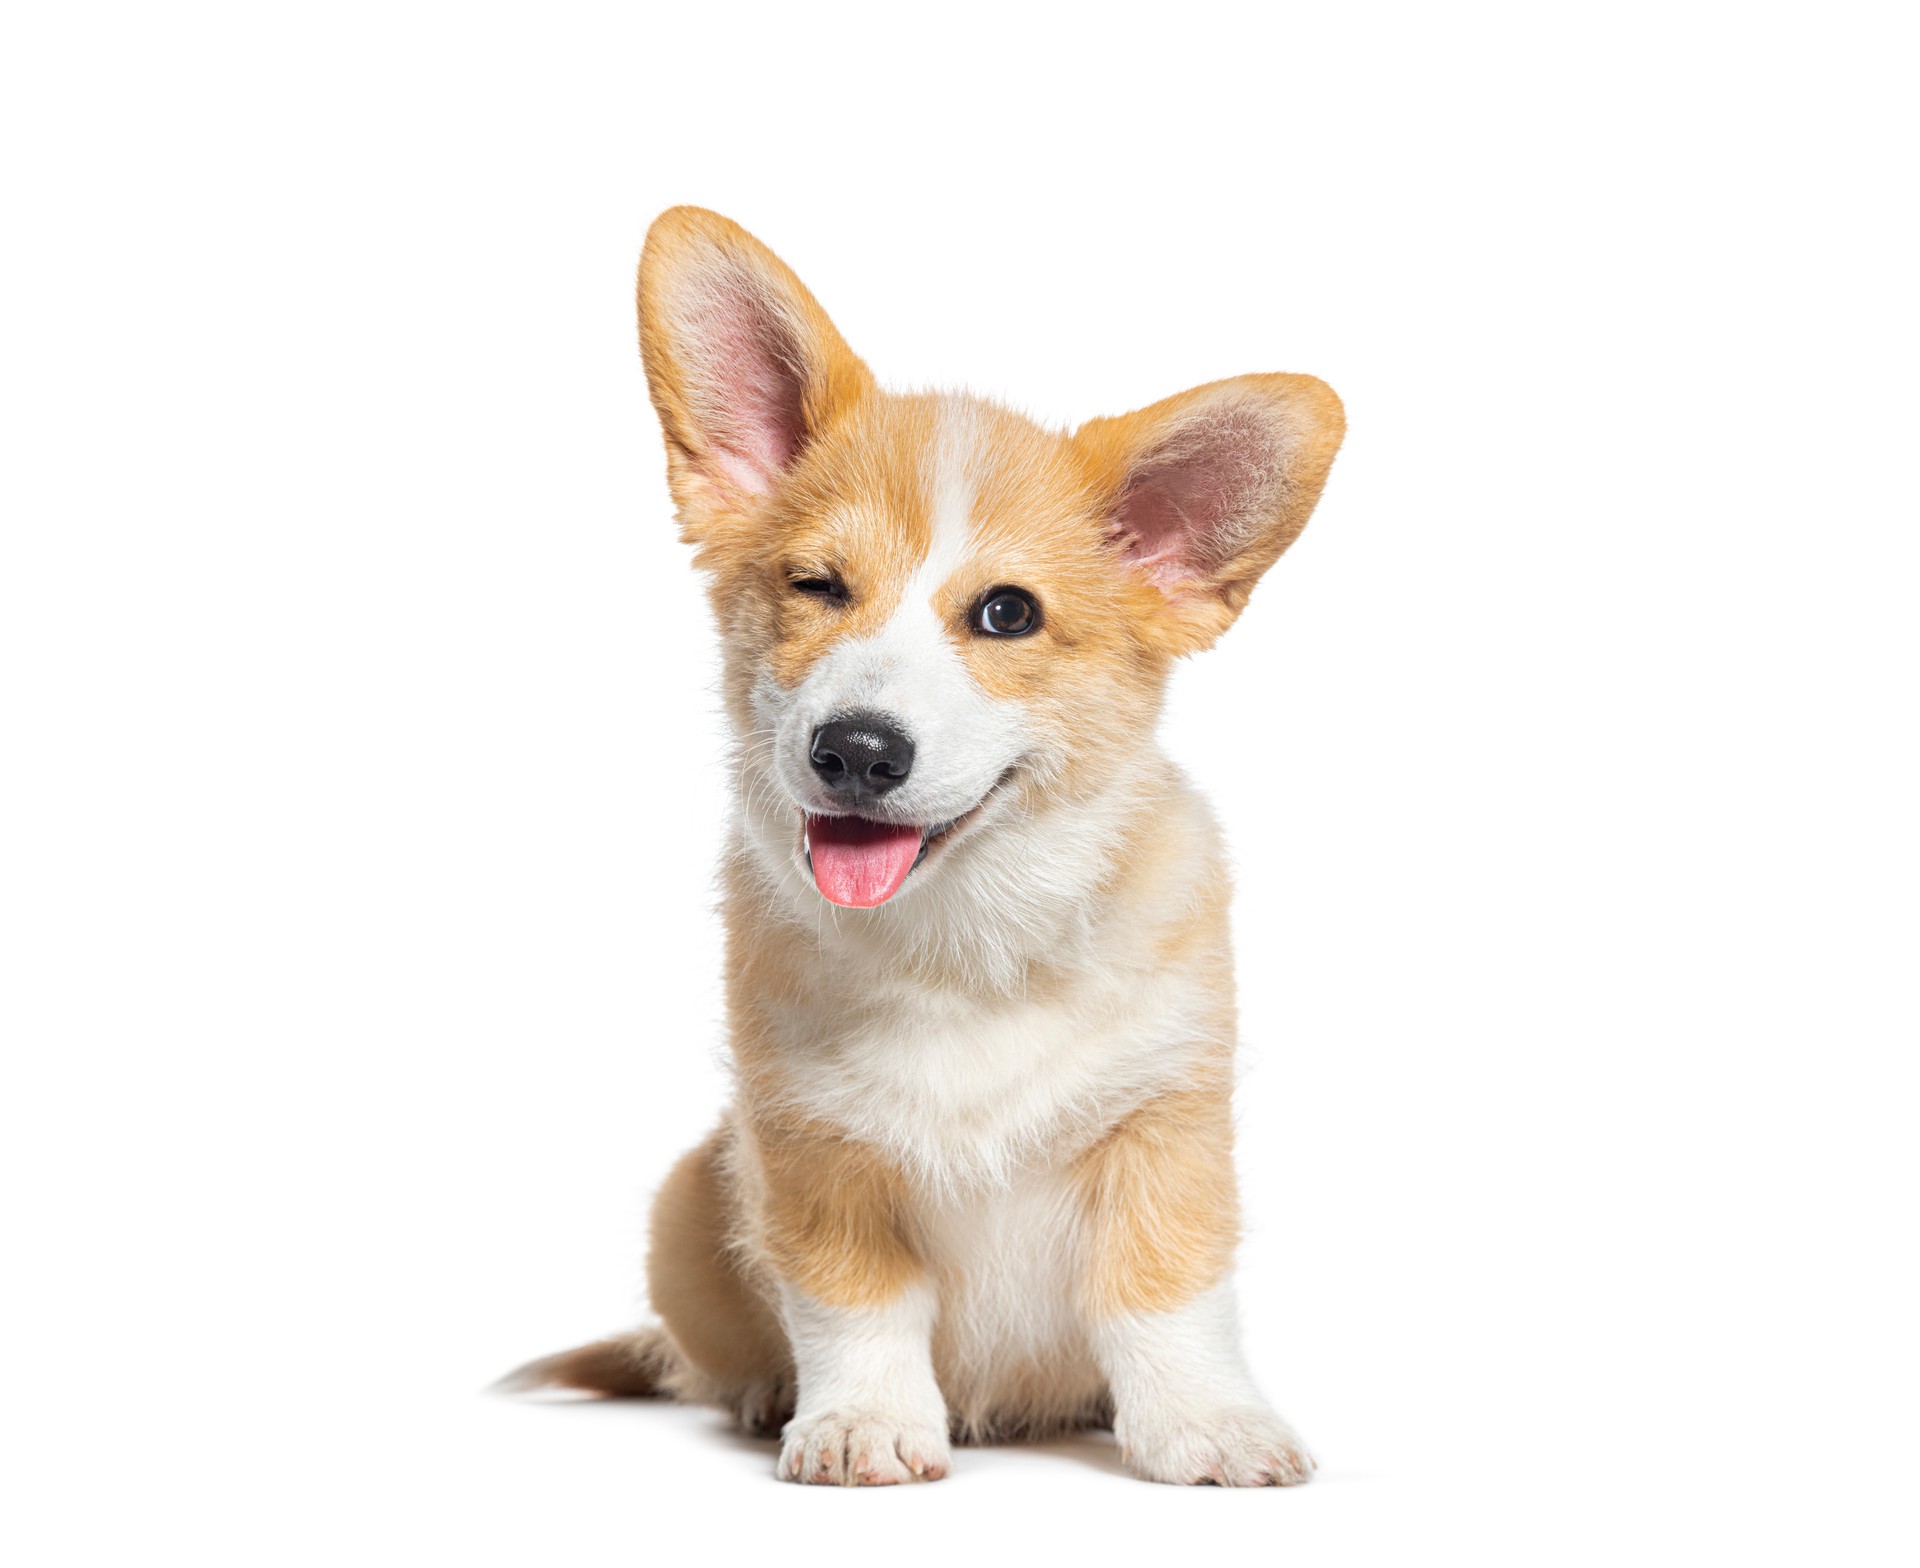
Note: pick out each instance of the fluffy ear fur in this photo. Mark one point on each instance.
(1204, 490)
(744, 366)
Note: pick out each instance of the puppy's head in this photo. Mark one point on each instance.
(937, 615)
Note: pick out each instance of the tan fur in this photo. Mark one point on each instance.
(1117, 450)
(640, 1365)
(786, 1194)
(831, 1213)
(687, 240)
(697, 1280)
(1161, 1207)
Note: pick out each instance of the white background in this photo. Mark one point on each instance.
(361, 973)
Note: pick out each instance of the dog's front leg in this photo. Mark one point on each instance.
(859, 1312)
(1161, 1220)
(870, 1413)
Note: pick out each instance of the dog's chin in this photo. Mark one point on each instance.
(862, 862)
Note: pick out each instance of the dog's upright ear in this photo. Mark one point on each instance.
(743, 365)
(1202, 491)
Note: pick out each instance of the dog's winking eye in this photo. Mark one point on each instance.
(1007, 612)
(821, 587)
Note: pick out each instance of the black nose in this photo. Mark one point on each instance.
(861, 756)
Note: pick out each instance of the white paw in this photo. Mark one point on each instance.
(1235, 1447)
(862, 1448)
(764, 1406)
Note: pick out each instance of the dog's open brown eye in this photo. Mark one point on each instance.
(1007, 612)
(824, 587)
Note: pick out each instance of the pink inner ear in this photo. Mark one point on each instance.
(1192, 500)
(752, 387)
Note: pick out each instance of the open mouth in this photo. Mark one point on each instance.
(858, 862)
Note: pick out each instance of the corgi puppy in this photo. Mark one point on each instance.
(977, 1180)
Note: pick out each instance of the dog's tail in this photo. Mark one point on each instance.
(645, 1364)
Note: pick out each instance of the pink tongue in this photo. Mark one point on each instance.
(860, 863)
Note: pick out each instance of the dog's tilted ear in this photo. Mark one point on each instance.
(1204, 490)
(743, 364)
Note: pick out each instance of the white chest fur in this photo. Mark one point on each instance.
(962, 1090)
(1008, 1336)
